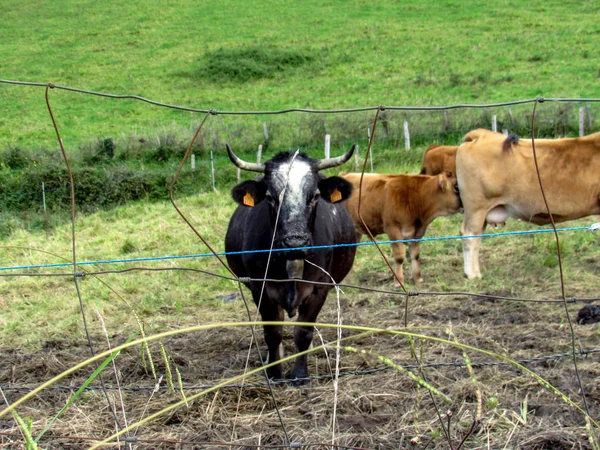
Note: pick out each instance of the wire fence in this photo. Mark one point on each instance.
(77, 273)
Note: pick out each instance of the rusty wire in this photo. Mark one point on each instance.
(303, 110)
(75, 273)
(559, 256)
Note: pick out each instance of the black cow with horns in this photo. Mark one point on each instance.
(291, 207)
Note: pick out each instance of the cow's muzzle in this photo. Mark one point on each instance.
(296, 243)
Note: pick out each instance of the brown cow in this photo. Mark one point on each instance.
(401, 206)
(439, 159)
(497, 179)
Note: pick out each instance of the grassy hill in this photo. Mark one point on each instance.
(249, 56)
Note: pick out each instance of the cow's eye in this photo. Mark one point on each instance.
(271, 199)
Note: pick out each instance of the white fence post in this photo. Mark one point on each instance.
(193, 162)
(581, 121)
(370, 149)
(494, 124)
(327, 145)
(406, 136)
(266, 131)
(259, 153)
(356, 153)
(44, 197)
(212, 169)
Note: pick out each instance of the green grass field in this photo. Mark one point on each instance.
(249, 56)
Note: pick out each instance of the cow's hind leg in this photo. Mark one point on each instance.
(473, 225)
(399, 253)
(307, 312)
(415, 248)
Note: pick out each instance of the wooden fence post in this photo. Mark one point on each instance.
(494, 124)
(581, 121)
(406, 136)
(259, 153)
(356, 156)
(193, 160)
(327, 145)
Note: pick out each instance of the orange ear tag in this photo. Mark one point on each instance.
(248, 200)
(335, 196)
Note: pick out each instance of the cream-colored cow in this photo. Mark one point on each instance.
(497, 180)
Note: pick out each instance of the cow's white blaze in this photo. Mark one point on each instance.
(292, 179)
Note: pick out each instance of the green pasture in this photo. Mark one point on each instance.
(271, 55)
(268, 56)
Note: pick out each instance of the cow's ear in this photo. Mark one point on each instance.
(443, 182)
(335, 189)
(249, 193)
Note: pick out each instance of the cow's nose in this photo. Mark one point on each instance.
(295, 241)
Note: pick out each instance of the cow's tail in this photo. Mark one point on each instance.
(511, 140)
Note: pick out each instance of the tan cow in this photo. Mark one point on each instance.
(401, 206)
(439, 159)
(497, 180)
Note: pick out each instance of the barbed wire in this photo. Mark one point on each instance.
(383, 368)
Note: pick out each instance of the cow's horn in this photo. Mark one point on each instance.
(254, 167)
(333, 162)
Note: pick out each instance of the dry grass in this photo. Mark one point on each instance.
(382, 410)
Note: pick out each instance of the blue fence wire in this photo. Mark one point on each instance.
(592, 227)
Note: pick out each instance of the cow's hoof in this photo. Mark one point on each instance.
(275, 373)
(473, 276)
(299, 377)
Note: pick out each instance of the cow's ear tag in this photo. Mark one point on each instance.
(335, 196)
(248, 200)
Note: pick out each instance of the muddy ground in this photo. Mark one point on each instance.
(499, 406)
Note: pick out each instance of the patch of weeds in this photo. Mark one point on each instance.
(128, 247)
(492, 402)
(550, 261)
(455, 80)
(535, 58)
(421, 80)
(252, 63)
(102, 150)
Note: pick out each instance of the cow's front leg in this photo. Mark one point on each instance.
(308, 312)
(473, 225)
(273, 337)
(415, 249)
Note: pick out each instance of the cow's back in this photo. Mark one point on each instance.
(494, 170)
(439, 159)
(372, 193)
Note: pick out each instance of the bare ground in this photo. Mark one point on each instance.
(506, 407)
